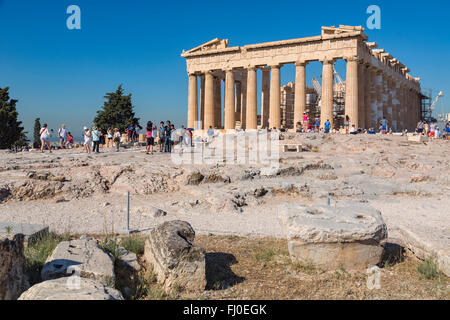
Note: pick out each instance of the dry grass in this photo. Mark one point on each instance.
(260, 269)
(268, 273)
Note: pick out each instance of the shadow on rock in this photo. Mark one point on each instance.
(219, 275)
(393, 253)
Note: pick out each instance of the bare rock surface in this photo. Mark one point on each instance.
(71, 288)
(408, 182)
(13, 279)
(175, 260)
(84, 257)
(331, 237)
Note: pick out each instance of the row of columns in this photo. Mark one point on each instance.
(370, 95)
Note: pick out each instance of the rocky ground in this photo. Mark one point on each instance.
(76, 193)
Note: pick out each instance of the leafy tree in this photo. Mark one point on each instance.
(117, 112)
(11, 131)
(36, 133)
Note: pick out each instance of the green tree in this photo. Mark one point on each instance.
(36, 133)
(11, 131)
(117, 112)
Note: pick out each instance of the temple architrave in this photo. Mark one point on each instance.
(377, 85)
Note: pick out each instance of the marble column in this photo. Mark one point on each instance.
(243, 99)
(300, 92)
(372, 111)
(229, 100)
(238, 97)
(218, 102)
(192, 101)
(275, 112)
(367, 96)
(361, 96)
(202, 101)
(265, 98)
(351, 91)
(326, 109)
(209, 101)
(379, 92)
(252, 103)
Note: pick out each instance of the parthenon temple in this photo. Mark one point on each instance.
(377, 85)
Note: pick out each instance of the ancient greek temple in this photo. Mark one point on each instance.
(377, 85)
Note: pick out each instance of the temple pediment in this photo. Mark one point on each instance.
(214, 44)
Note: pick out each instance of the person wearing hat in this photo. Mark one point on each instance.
(87, 139)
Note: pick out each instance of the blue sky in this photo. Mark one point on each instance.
(61, 75)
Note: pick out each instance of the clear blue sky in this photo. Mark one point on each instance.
(61, 75)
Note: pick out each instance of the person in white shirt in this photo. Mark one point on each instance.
(45, 138)
(87, 140)
(96, 139)
(62, 135)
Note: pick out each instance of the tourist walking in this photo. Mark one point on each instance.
(150, 138)
(167, 133)
(45, 138)
(420, 127)
(327, 126)
(87, 140)
(432, 129)
(347, 124)
(437, 133)
(182, 134)
(316, 124)
(62, 135)
(426, 128)
(447, 131)
(109, 134)
(70, 140)
(161, 136)
(116, 138)
(102, 138)
(305, 120)
(384, 125)
(173, 136)
(95, 139)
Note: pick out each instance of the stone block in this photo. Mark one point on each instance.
(71, 288)
(418, 139)
(332, 237)
(84, 257)
(175, 260)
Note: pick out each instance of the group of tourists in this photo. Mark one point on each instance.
(165, 136)
(64, 136)
(432, 130)
(314, 126)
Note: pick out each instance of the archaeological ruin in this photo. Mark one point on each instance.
(377, 85)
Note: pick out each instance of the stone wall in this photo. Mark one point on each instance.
(13, 280)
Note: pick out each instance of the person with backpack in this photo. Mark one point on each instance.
(45, 138)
